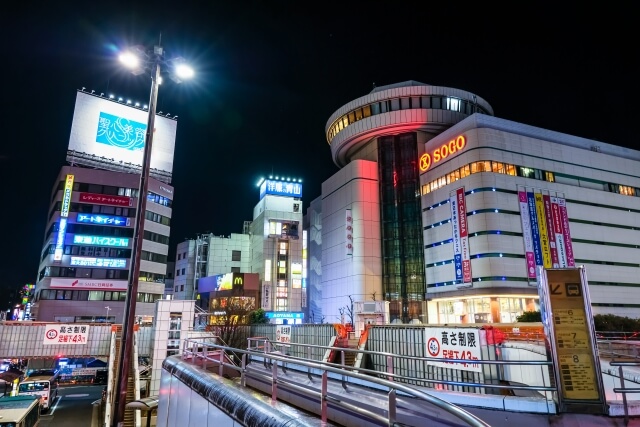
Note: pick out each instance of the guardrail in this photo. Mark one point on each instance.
(198, 350)
(264, 345)
(622, 389)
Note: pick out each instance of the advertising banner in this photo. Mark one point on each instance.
(535, 231)
(566, 233)
(552, 235)
(454, 343)
(90, 284)
(57, 333)
(464, 235)
(526, 234)
(557, 229)
(544, 235)
(455, 226)
(266, 296)
(112, 132)
(106, 199)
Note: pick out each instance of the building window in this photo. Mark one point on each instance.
(182, 272)
(236, 255)
(235, 269)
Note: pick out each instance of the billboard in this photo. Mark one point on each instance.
(280, 188)
(461, 256)
(113, 133)
(90, 284)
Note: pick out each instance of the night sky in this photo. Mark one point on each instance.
(269, 75)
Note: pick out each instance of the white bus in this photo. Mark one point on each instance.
(19, 411)
(43, 384)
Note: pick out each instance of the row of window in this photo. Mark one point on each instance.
(99, 189)
(73, 295)
(526, 172)
(434, 102)
(94, 209)
(92, 251)
(93, 273)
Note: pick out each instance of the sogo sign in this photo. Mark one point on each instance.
(442, 152)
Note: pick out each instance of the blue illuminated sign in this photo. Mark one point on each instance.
(120, 221)
(120, 132)
(101, 241)
(283, 315)
(280, 188)
(62, 228)
(98, 262)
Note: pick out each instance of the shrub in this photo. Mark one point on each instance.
(529, 316)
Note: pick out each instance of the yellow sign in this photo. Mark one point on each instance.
(542, 226)
(571, 324)
(66, 196)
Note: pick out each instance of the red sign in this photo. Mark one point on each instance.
(442, 152)
(106, 199)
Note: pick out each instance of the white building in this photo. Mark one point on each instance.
(411, 151)
(209, 255)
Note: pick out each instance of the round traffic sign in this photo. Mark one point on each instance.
(433, 346)
(51, 334)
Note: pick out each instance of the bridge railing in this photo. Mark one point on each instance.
(199, 350)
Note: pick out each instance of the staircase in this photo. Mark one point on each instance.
(114, 365)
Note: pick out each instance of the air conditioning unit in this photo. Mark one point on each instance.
(369, 307)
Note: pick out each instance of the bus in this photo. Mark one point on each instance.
(19, 411)
(43, 384)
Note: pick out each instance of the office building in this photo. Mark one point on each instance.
(88, 243)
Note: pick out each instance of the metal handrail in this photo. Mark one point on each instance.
(622, 389)
(324, 396)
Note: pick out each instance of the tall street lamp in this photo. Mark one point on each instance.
(151, 61)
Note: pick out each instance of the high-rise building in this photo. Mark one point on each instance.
(88, 243)
(448, 213)
(277, 250)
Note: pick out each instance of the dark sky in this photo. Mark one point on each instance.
(269, 75)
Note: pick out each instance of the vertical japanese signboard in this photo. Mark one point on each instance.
(348, 232)
(454, 343)
(461, 256)
(569, 323)
(526, 234)
(64, 214)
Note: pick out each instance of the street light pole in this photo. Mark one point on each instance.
(126, 350)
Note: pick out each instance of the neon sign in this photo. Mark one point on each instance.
(120, 221)
(442, 152)
(80, 239)
(98, 262)
(57, 254)
(280, 188)
(66, 198)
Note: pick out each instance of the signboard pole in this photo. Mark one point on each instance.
(570, 335)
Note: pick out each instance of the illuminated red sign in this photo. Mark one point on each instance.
(105, 199)
(442, 152)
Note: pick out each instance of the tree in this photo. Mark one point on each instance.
(258, 317)
(529, 316)
(236, 312)
(613, 323)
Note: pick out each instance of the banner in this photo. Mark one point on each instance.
(526, 234)
(464, 235)
(566, 233)
(544, 235)
(557, 229)
(535, 231)
(552, 235)
(455, 226)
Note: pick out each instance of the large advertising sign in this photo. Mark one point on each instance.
(119, 221)
(545, 229)
(88, 284)
(55, 333)
(121, 242)
(114, 131)
(98, 262)
(64, 213)
(454, 343)
(280, 188)
(105, 199)
(461, 256)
